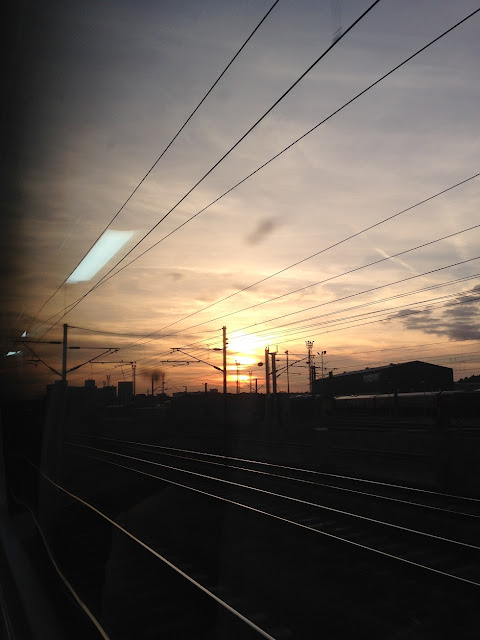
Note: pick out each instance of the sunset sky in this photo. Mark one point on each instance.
(98, 89)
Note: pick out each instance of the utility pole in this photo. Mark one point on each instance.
(322, 354)
(224, 331)
(288, 375)
(311, 374)
(237, 364)
(64, 354)
(256, 385)
(250, 373)
(205, 383)
(134, 366)
(267, 372)
(274, 372)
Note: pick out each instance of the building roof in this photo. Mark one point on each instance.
(388, 366)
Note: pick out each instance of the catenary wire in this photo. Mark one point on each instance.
(330, 302)
(139, 184)
(356, 269)
(438, 269)
(374, 302)
(363, 305)
(352, 295)
(105, 278)
(427, 303)
(336, 323)
(283, 333)
(298, 262)
(338, 311)
(324, 250)
(300, 324)
(428, 307)
(225, 155)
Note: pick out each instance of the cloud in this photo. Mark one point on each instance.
(399, 261)
(459, 321)
(175, 275)
(263, 229)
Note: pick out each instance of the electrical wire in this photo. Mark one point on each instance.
(325, 280)
(230, 150)
(326, 303)
(405, 348)
(373, 302)
(105, 277)
(413, 292)
(323, 250)
(139, 184)
(381, 320)
(370, 321)
(284, 332)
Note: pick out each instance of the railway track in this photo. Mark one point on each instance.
(388, 557)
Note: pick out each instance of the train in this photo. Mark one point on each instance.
(442, 407)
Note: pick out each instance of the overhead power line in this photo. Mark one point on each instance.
(139, 184)
(320, 305)
(377, 288)
(316, 306)
(310, 335)
(107, 277)
(329, 279)
(227, 153)
(298, 262)
(380, 301)
(365, 304)
(344, 273)
(428, 304)
(336, 326)
(283, 332)
(257, 331)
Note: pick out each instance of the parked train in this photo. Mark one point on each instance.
(443, 407)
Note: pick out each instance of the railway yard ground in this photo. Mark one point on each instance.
(338, 527)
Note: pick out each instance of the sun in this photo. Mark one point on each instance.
(245, 348)
(247, 351)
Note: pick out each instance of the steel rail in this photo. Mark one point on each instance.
(288, 521)
(66, 582)
(137, 540)
(285, 477)
(289, 498)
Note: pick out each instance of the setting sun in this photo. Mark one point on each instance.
(246, 346)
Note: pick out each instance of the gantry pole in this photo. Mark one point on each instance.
(64, 354)
(224, 330)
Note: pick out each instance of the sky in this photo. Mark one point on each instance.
(96, 92)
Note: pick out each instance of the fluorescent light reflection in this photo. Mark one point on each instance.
(103, 250)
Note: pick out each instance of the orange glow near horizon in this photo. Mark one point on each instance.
(245, 350)
(245, 345)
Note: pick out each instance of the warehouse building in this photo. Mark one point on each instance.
(402, 378)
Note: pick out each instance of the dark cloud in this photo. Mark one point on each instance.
(263, 229)
(406, 313)
(175, 275)
(460, 321)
